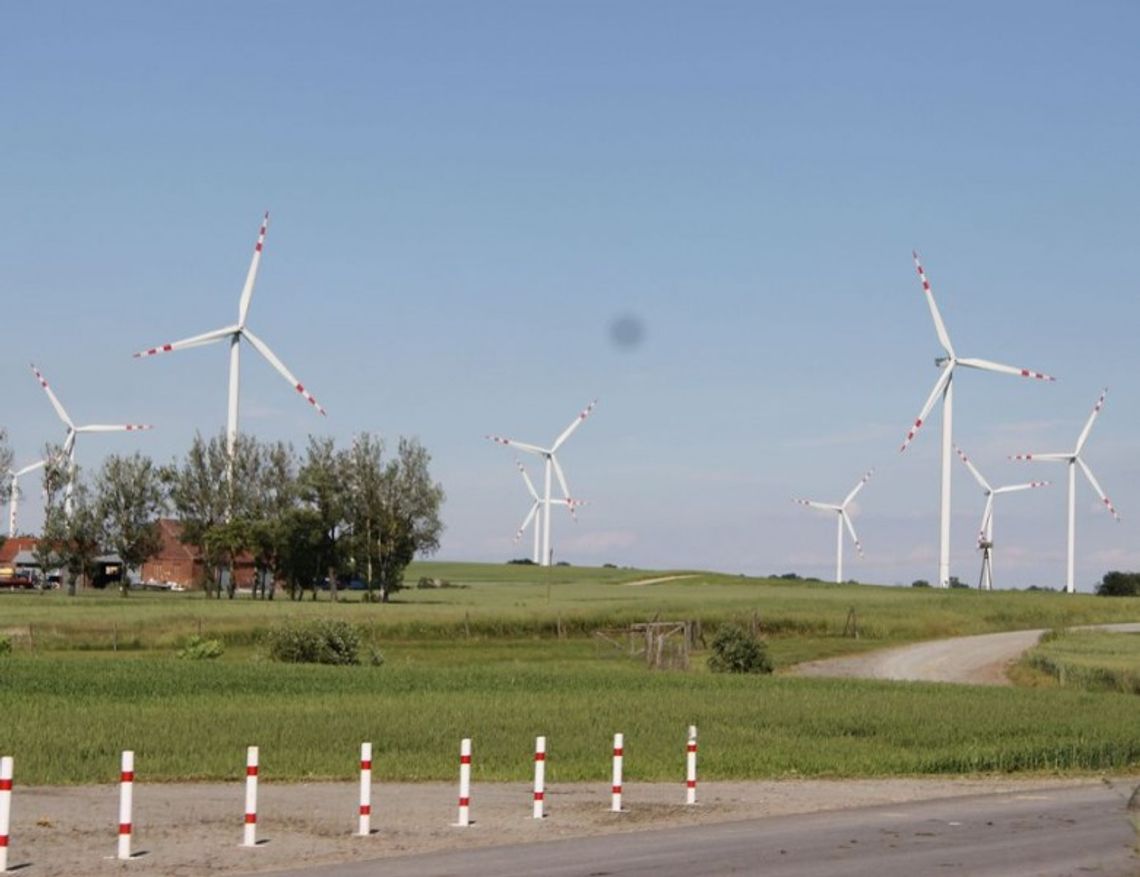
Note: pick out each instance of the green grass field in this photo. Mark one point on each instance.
(1091, 660)
(509, 654)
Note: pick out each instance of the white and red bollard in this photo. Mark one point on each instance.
(5, 809)
(126, 802)
(365, 790)
(691, 767)
(250, 835)
(615, 786)
(539, 776)
(464, 783)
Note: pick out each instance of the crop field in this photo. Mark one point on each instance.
(1092, 660)
(508, 653)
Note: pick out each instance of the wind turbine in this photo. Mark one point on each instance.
(14, 498)
(1073, 459)
(944, 387)
(534, 513)
(842, 519)
(73, 431)
(235, 334)
(986, 530)
(551, 464)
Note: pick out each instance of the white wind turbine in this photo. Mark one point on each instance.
(551, 465)
(235, 334)
(1073, 459)
(986, 530)
(535, 516)
(842, 519)
(14, 497)
(73, 431)
(944, 387)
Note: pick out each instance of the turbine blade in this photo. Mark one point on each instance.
(526, 521)
(987, 517)
(55, 403)
(113, 427)
(1013, 488)
(29, 468)
(522, 446)
(851, 530)
(939, 326)
(1096, 486)
(251, 275)
(857, 488)
(1045, 458)
(973, 470)
(263, 348)
(566, 433)
(195, 341)
(939, 386)
(987, 365)
(1088, 426)
(526, 478)
(811, 503)
(561, 477)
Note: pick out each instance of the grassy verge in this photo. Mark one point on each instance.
(1091, 660)
(68, 716)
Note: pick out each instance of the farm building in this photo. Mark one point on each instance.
(181, 564)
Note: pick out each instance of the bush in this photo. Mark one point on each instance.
(5, 646)
(200, 649)
(319, 641)
(737, 651)
(1119, 584)
(920, 583)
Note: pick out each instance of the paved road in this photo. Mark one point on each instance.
(1053, 833)
(977, 660)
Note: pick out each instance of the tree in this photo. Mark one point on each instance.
(1119, 584)
(130, 499)
(199, 493)
(70, 541)
(410, 523)
(6, 486)
(321, 490)
(364, 510)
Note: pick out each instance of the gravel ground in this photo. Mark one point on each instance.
(184, 830)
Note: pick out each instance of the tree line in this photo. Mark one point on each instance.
(329, 513)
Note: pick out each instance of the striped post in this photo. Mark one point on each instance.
(365, 789)
(539, 776)
(126, 800)
(5, 808)
(250, 837)
(464, 783)
(691, 767)
(615, 788)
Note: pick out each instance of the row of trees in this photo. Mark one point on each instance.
(327, 514)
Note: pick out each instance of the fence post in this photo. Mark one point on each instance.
(250, 834)
(464, 783)
(126, 801)
(365, 789)
(615, 788)
(5, 808)
(691, 767)
(539, 776)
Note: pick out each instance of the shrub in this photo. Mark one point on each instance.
(1119, 584)
(200, 649)
(737, 651)
(5, 646)
(319, 641)
(920, 583)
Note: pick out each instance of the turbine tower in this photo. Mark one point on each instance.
(534, 514)
(551, 465)
(842, 519)
(235, 334)
(986, 530)
(944, 387)
(14, 498)
(73, 431)
(1073, 459)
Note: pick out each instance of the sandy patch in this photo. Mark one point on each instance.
(185, 830)
(643, 582)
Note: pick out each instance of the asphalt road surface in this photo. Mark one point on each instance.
(975, 660)
(1081, 830)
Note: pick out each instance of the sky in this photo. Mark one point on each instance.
(485, 216)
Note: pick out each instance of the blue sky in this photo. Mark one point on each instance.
(466, 197)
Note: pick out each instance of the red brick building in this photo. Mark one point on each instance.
(182, 564)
